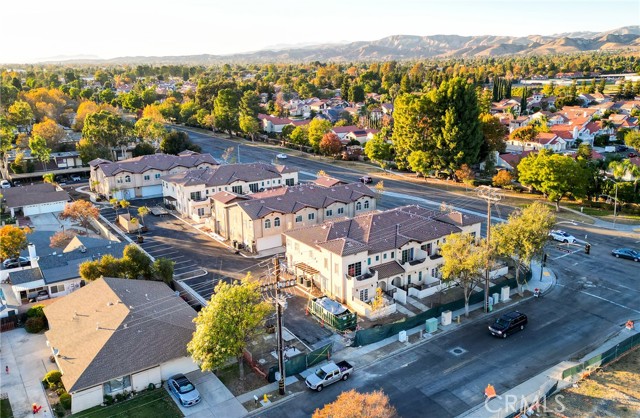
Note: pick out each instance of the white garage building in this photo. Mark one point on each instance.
(108, 337)
(35, 199)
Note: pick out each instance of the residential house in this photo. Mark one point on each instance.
(35, 199)
(387, 108)
(326, 181)
(361, 135)
(117, 335)
(544, 140)
(518, 122)
(57, 274)
(510, 160)
(141, 176)
(273, 124)
(189, 191)
(257, 221)
(60, 163)
(394, 250)
(506, 105)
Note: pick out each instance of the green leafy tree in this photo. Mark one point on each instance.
(493, 134)
(135, 262)
(143, 148)
(299, 136)
(316, 130)
(525, 134)
(149, 129)
(177, 141)
(227, 323)
(523, 235)
(49, 178)
(554, 175)
(225, 111)
(408, 128)
(163, 270)
(38, 146)
(464, 263)
(20, 113)
(378, 149)
(105, 129)
(12, 241)
(632, 139)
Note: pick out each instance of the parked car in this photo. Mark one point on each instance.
(11, 263)
(281, 156)
(562, 236)
(366, 179)
(329, 374)
(37, 297)
(184, 390)
(508, 323)
(632, 155)
(628, 253)
(621, 148)
(76, 178)
(4, 184)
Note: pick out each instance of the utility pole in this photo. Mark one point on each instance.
(238, 153)
(490, 195)
(281, 383)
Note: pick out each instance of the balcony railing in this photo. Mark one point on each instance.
(365, 276)
(416, 261)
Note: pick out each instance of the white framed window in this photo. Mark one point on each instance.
(366, 204)
(117, 385)
(364, 295)
(298, 218)
(200, 211)
(358, 205)
(127, 179)
(340, 211)
(311, 216)
(276, 222)
(329, 212)
(157, 176)
(267, 223)
(147, 177)
(57, 288)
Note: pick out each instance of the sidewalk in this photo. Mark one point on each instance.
(365, 356)
(597, 222)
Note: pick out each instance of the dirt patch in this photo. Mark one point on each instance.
(275, 396)
(613, 391)
(230, 377)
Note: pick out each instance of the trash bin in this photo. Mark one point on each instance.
(301, 279)
(307, 283)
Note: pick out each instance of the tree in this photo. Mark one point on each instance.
(352, 404)
(316, 130)
(378, 149)
(49, 178)
(624, 168)
(89, 151)
(378, 301)
(330, 144)
(20, 114)
(162, 270)
(135, 262)
(464, 263)
(227, 323)
(80, 211)
(523, 235)
(104, 129)
(142, 212)
(38, 146)
(225, 111)
(61, 239)
(299, 136)
(149, 129)
(143, 148)
(465, 174)
(502, 179)
(248, 113)
(408, 128)
(525, 134)
(12, 241)
(554, 175)
(177, 141)
(50, 131)
(493, 134)
(632, 139)
(124, 204)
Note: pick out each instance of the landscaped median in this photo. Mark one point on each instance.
(156, 403)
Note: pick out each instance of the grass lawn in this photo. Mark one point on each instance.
(154, 404)
(5, 409)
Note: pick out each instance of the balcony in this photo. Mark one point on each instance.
(416, 261)
(365, 276)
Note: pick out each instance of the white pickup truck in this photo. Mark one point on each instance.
(328, 374)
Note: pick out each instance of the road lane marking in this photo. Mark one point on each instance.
(600, 297)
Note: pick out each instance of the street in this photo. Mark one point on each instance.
(594, 296)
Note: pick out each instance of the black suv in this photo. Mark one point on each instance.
(508, 323)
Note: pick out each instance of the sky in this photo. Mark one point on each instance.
(44, 29)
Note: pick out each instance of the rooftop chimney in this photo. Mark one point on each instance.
(32, 255)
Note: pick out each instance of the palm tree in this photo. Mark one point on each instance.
(621, 169)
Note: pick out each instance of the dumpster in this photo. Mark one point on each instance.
(333, 314)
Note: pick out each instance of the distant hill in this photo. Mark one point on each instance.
(407, 47)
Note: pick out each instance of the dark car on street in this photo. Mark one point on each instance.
(508, 323)
(628, 253)
(366, 179)
(184, 390)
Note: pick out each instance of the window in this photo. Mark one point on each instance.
(157, 176)
(393, 255)
(359, 206)
(200, 211)
(419, 276)
(409, 282)
(56, 288)
(236, 189)
(329, 212)
(127, 179)
(290, 182)
(335, 268)
(147, 177)
(298, 218)
(377, 258)
(254, 187)
(364, 295)
(267, 223)
(369, 261)
(117, 385)
(276, 222)
(426, 248)
(311, 216)
(354, 269)
(384, 256)
(195, 196)
(340, 211)
(407, 255)
(326, 263)
(119, 180)
(366, 204)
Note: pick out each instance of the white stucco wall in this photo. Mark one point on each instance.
(51, 207)
(140, 381)
(180, 365)
(86, 399)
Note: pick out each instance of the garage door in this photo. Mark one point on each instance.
(43, 208)
(269, 242)
(149, 191)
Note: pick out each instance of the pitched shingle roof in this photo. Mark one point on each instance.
(380, 231)
(114, 327)
(25, 276)
(59, 267)
(17, 197)
(160, 162)
(388, 269)
(292, 199)
(227, 174)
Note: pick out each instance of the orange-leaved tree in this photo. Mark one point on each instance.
(353, 404)
(80, 211)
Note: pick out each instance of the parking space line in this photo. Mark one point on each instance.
(157, 245)
(185, 267)
(164, 254)
(188, 268)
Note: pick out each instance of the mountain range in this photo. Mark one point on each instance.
(409, 47)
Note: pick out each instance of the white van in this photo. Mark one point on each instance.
(4, 184)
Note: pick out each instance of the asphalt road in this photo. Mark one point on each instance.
(594, 296)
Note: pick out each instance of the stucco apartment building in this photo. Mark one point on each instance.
(190, 191)
(393, 250)
(140, 177)
(257, 221)
(117, 335)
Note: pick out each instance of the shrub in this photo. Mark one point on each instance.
(59, 410)
(36, 311)
(34, 325)
(151, 386)
(108, 400)
(53, 377)
(61, 391)
(65, 401)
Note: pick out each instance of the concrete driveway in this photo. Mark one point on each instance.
(217, 400)
(27, 356)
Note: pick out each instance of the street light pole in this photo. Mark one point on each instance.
(490, 195)
(281, 382)
(615, 206)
